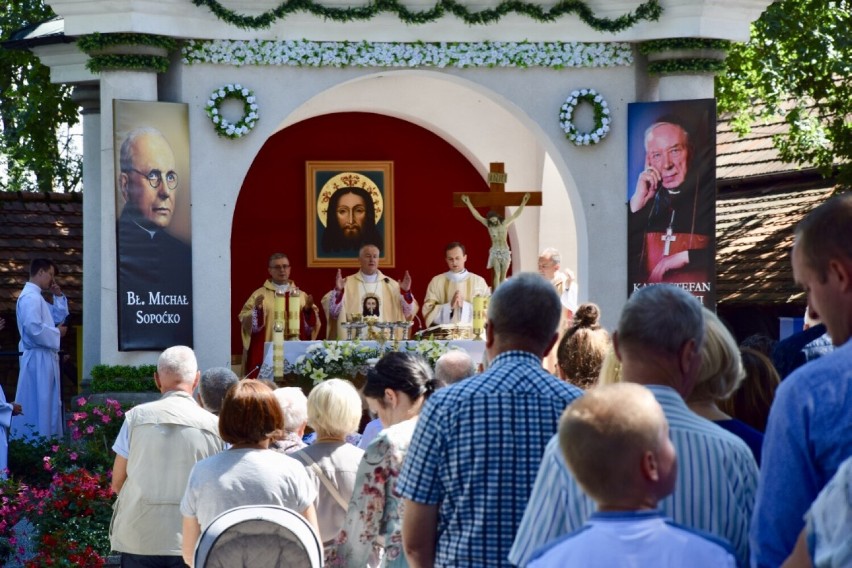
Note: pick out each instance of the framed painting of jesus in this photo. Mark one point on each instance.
(349, 204)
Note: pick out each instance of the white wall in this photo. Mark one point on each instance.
(489, 115)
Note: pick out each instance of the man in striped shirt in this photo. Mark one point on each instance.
(658, 342)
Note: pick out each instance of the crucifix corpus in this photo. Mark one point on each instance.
(499, 255)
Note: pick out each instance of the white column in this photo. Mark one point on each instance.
(88, 97)
(128, 85)
(678, 85)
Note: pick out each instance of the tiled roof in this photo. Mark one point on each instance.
(754, 235)
(47, 225)
(750, 156)
(760, 200)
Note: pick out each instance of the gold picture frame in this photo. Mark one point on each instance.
(365, 212)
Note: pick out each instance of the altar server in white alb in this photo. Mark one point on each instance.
(450, 295)
(38, 381)
(7, 411)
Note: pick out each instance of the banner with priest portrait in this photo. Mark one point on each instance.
(153, 230)
(671, 196)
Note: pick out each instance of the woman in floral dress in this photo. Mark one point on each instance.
(395, 390)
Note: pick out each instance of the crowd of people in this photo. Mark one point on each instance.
(662, 443)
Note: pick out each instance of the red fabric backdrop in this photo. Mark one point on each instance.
(270, 214)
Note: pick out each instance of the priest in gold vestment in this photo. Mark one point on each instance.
(256, 316)
(450, 295)
(369, 292)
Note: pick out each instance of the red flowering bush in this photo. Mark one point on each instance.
(72, 518)
(14, 504)
(93, 430)
(71, 512)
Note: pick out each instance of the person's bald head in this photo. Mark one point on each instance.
(177, 369)
(148, 179)
(453, 366)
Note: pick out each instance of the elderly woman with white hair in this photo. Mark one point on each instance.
(334, 410)
(294, 406)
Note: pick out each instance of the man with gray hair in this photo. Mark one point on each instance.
(453, 366)
(294, 406)
(467, 471)
(550, 268)
(214, 384)
(658, 342)
(157, 447)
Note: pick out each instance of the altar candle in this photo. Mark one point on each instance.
(294, 306)
(278, 352)
(479, 312)
(278, 314)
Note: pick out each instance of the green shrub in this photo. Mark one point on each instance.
(27, 459)
(123, 378)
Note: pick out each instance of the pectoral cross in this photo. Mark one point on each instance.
(497, 197)
(668, 237)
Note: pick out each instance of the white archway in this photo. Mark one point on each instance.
(485, 127)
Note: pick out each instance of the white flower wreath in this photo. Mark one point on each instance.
(602, 118)
(225, 127)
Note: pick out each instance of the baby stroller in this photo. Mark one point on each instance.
(259, 536)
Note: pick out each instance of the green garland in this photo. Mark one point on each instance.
(695, 65)
(650, 11)
(120, 62)
(96, 41)
(92, 44)
(679, 43)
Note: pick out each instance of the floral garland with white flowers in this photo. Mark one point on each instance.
(483, 54)
(602, 118)
(225, 127)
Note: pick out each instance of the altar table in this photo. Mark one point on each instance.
(295, 349)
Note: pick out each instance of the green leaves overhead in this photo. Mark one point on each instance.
(797, 65)
(650, 10)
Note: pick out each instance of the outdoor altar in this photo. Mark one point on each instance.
(319, 360)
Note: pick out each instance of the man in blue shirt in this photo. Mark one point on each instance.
(472, 462)
(809, 433)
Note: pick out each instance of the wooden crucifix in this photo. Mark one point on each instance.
(499, 256)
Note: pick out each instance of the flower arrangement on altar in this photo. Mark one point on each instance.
(348, 359)
(343, 359)
(602, 117)
(225, 127)
(429, 349)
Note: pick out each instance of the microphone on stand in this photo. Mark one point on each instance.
(248, 375)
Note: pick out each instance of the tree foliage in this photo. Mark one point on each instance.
(797, 65)
(36, 147)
